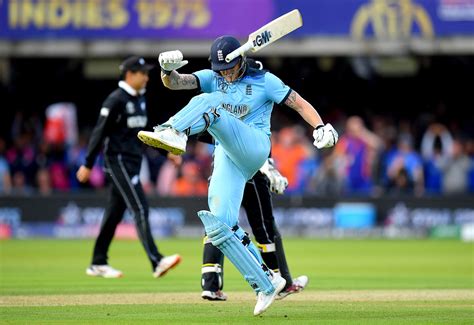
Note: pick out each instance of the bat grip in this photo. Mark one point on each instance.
(240, 51)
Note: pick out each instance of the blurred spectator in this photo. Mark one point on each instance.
(191, 182)
(456, 169)
(401, 183)
(470, 153)
(19, 184)
(327, 181)
(27, 124)
(405, 162)
(357, 153)
(43, 182)
(5, 178)
(166, 177)
(291, 152)
(76, 156)
(436, 149)
(21, 158)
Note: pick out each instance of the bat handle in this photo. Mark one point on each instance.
(240, 51)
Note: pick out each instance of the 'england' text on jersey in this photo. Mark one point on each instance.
(136, 121)
(237, 110)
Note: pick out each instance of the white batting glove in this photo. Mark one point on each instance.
(278, 182)
(325, 136)
(171, 60)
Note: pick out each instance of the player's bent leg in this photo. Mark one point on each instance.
(223, 238)
(194, 118)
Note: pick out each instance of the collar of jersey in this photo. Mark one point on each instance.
(125, 86)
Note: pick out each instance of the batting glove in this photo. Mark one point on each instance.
(278, 182)
(171, 60)
(325, 136)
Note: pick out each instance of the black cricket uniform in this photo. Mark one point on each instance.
(122, 115)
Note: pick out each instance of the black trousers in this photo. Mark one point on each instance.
(125, 192)
(257, 202)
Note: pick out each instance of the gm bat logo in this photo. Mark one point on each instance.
(262, 38)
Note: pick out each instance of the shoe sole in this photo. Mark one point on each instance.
(155, 143)
(178, 260)
(212, 299)
(280, 297)
(275, 293)
(102, 276)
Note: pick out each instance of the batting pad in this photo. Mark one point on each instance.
(251, 246)
(223, 238)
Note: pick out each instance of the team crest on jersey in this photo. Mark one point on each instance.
(248, 90)
(130, 108)
(143, 106)
(222, 85)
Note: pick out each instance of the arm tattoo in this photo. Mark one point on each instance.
(181, 81)
(291, 100)
(188, 81)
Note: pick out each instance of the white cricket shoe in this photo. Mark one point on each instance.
(265, 300)
(298, 285)
(165, 138)
(214, 295)
(105, 271)
(166, 264)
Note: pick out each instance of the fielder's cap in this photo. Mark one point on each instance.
(135, 63)
(219, 50)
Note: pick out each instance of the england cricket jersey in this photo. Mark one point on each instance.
(250, 98)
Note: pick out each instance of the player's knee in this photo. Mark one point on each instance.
(216, 231)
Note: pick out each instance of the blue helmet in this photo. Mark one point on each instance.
(219, 50)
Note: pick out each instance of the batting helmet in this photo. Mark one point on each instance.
(219, 50)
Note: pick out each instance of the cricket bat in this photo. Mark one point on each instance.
(269, 33)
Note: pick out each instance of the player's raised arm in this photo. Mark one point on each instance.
(170, 62)
(324, 134)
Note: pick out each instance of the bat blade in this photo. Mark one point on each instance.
(269, 33)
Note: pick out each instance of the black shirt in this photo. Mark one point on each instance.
(122, 115)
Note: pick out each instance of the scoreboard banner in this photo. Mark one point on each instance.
(207, 19)
(131, 19)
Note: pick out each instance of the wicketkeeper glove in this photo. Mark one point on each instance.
(278, 182)
(171, 60)
(325, 136)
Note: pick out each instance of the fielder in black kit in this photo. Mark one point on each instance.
(122, 115)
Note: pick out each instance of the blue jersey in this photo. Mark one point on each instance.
(251, 98)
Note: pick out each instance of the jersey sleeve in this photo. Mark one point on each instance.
(276, 90)
(107, 116)
(206, 80)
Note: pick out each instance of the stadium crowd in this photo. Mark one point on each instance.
(375, 156)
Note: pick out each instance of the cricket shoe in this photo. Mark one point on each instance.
(265, 300)
(105, 271)
(214, 295)
(166, 264)
(165, 138)
(298, 285)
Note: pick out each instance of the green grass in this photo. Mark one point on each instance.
(56, 267)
